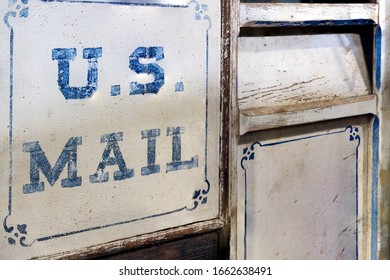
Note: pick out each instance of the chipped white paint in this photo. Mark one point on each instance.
(252, 119)
(257, 14)
(290, 70)
(287, 80)
(382, 251)
(143, 123)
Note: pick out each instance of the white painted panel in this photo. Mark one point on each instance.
(304, 196)
(127, 149)
(299, 69)
(258, 14)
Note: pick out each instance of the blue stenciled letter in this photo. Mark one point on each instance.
(112, 146)
(177, 163)
(151, 69)
(38, 161)
(64, 56)
(152, 167)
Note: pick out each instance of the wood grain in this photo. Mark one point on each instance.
(201, 247)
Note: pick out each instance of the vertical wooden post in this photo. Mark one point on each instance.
(234, 123)
(382, 86)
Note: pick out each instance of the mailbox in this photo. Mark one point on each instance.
(309, 97)
(194, 129)
(110, 121)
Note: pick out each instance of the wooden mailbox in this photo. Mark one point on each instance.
(194, 129)
(110, 121)
(310, 125)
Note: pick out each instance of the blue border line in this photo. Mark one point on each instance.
(11, 98)
(105, 226)
(374, 190)
(204, 192)
(250, 155)
(315, 23)
(357, 201)
(123, 3)
(378, 57)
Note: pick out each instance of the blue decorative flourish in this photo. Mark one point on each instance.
(16, 235)
(200, 196)
(201, 11)
(17, 7)
(354, 134)
(249, 152)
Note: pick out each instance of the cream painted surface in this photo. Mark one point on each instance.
(59, 219)
(288, 80)
(290, 70)
(302, 193)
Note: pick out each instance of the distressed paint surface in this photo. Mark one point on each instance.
(258, 14)
(269, 117)
(290, 70)
(382, 197)
(263, 166)
(108, 111)
(303, 196)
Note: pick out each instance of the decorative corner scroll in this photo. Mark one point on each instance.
(248, 154)
(354, 134)
(200, 196)
(16, 235)
(201, 12)
(16, 8)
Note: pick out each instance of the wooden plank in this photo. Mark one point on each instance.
(225, 109)
(263, 14)
(381, 140)
(234, 127)
(289, 70)
(265, 118)
(201, 247)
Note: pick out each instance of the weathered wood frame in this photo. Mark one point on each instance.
(384, 141)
